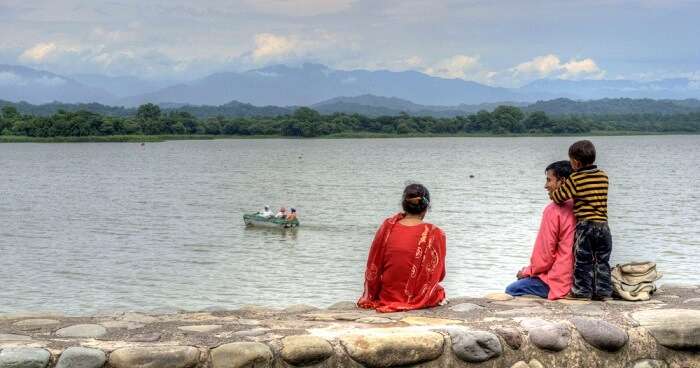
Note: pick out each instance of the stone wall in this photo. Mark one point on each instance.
(495, 331)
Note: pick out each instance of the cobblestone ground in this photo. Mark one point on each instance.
(494, 331)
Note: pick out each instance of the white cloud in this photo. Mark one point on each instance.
(38, 52)
(551, 66)
(458, 66)
(12, 79)
(273, 47)
(268, 45)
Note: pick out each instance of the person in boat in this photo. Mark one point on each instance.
(292, 215)
(406, 261)
(266, 212)
(282, 213)
(551, 269)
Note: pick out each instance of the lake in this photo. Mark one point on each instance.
(94, 227)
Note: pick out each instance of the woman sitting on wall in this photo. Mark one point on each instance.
(406, 260)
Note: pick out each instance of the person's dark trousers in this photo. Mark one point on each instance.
(528, 286)
(592, 250)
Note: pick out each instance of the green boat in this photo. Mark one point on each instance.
(253, 219)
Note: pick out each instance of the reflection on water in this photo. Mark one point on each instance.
(89, 227)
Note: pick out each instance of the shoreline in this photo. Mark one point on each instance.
(359, 135)
(493, 331)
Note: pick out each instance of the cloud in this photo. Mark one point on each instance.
(273, 47)
(551, 66)
(38, 52)
(300, 8)
(458, 66)
(268, 45)
(12, 79)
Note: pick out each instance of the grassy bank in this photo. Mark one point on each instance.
(356, 135)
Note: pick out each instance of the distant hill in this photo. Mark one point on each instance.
(591, 89)
(313, 83)
(231, 109)
(121, 86)
(18, 83)
(563, 106)
(373, 106)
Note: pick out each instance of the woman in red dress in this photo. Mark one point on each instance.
(407, 259)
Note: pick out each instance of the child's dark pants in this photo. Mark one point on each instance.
(592, 250)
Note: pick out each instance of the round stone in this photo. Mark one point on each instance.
(241, 354)
(510, 335)
(35, 324)
(600, 334)
(466, 307)
(550, 336)
(122, 324)
(305, 350)
(199, 328)
(154, 357)
(647, 363)
(474, 346)
(520, 364)
(374, 320)
(499, 297)
(24, 358)
(299, 308)
(78, 357)
(342, 305)
(86, 330)
(393, 347)
(672, 328)
(534, 363)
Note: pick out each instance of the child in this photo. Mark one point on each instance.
(588, 186)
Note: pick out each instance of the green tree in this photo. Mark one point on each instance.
(148, 111)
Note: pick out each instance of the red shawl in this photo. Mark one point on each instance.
(427, 270)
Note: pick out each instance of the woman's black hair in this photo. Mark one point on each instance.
(416, 199)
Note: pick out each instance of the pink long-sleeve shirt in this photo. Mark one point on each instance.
(552, 257)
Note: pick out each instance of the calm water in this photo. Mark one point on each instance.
(103, 227)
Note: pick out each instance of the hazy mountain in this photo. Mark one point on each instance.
(613, 106)
(121, 86)
(545, 89)
(372, 105)
(372, 92)
(312, 83)
(18, 83)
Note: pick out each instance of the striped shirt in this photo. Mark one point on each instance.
(588, 187)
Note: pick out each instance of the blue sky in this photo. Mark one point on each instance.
(504, 43)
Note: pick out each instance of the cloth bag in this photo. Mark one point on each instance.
(635, 281)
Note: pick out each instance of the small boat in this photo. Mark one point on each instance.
(253, 219)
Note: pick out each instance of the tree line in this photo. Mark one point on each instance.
(306, 122)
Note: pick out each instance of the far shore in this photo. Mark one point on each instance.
(348, 135)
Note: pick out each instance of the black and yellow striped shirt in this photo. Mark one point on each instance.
(589, 189)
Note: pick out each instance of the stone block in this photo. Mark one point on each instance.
(155, 357)
(20, 357)
(304, 350)
(79, 357)
(393, 347)
(242, 355)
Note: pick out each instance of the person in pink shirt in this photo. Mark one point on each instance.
(550, 272)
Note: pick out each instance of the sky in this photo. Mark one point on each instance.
(499, 43)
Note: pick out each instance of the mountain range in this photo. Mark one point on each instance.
(320, 86)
